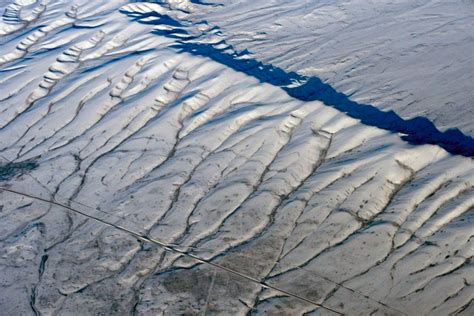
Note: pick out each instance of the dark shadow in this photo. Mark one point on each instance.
(418, 130)
(13, 169)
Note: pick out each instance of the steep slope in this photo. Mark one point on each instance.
(413, 57)
(285, 206)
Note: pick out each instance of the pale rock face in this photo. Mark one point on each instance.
(114, 142)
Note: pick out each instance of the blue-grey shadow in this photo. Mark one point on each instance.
(417, 130)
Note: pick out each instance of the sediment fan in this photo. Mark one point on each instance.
(258, 202)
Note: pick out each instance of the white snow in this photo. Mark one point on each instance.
(135, 141)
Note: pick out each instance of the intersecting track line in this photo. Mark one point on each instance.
(176, 246)
(171, 248)
(53, 197)
(353, 291)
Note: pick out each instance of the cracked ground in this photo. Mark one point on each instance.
(140, 179)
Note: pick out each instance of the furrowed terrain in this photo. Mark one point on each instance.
(143, 175)
(410, 56)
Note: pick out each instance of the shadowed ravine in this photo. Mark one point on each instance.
(418, 130)
(147, 168)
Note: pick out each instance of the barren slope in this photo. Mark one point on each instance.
(289, 207)
(411, 56)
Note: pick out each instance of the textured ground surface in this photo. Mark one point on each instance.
(411, 56)
(320, 214)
